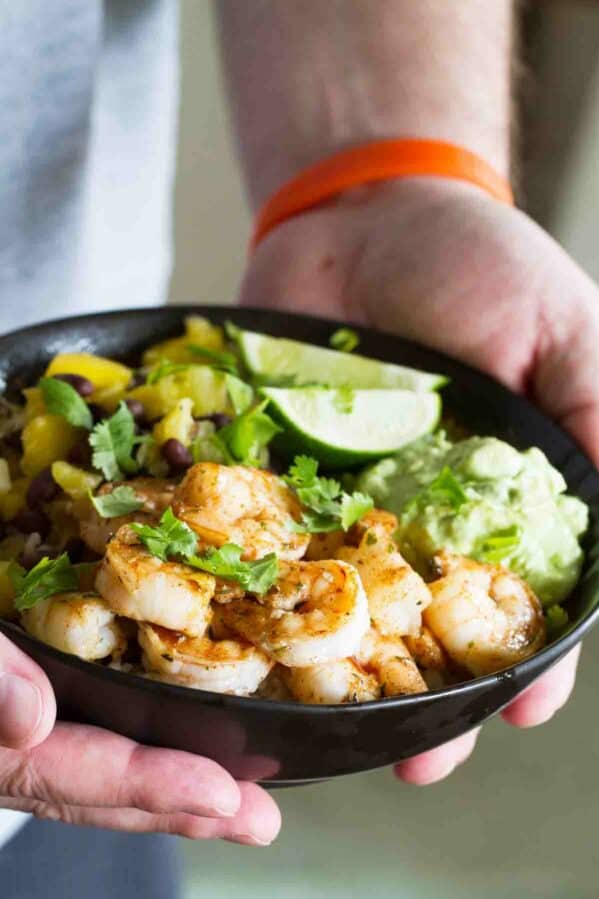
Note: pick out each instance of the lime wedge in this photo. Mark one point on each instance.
(278, 359)
(343, 429)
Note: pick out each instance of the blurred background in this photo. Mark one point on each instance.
(520, 819)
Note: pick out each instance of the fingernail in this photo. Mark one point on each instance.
(247, 839)
(227, 811)
(20, 709)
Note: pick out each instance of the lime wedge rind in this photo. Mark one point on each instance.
(277, 358)
(379, 424)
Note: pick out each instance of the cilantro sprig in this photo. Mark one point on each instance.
(113, 440)
(60, 398)
(344, 339)
(47, 578)
(254, 576)
(170, 537)
(243, 441)
(173, 538)
(165, 368)
(327, 507)
(219, 359)
(496, 546)
(120, 501)
(444, 490)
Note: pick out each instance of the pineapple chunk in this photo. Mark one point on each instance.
(177, 424)
(205, 387)
(198, 330)
(34, 402)
(5, 479)
(76, 482)
(45, 439)
(110, 378)
(14, 499)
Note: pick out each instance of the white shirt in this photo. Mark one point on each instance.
(88, 110)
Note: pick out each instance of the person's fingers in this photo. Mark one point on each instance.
(83, 765)
(257, 822)
(27, 703)
(548, 694)
(436, 764)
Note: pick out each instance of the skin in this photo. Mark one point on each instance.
(434, 260)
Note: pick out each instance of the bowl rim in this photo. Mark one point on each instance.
(538, 662)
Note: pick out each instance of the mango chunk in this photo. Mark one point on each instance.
(46, 438)
(198, 330)
(206, 388)
(176, 424)
(76, 482)
(110, 378)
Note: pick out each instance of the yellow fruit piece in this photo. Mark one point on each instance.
(7, 593)
(205, 387)
(198, 330)
(34, 403)
(177, 424)
(11, 502)
(5, 479)
(76, 482)
(45, 439)
(103, 373)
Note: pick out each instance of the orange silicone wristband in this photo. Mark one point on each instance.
(376, 161)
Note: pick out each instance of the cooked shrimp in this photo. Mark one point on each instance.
(389, 659)
(247, 506)
(140, 586)
(223, 666)
(331, 683)
(77, 623)
(397, 595)
(485, 616)
(156, 495)
(435, 665)
(315, 612)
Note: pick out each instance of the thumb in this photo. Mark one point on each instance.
(27, 703)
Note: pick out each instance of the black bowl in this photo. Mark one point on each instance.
(280, 743)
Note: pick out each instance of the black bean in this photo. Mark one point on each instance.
(31, 521)
(178, 456)
(74, 548)
(219, 419)
(83, 386)
(42, 489)
(81, 454)
(98, 413)
(137, 411)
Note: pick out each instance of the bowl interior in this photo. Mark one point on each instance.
(475, 401)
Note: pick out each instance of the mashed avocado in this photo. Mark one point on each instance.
(482, 498)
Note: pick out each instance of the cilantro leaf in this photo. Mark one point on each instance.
(220, 359)
(164, 369)
(240, 393)
(344, 339)
(171, 537)
(327, 507)
(119, 501)
(60, 398)
(244, 439)
(256, 577)
(48, 577)
(496, 546)
(343, 401)
(353, 508)
(112, 441)
(444, 490)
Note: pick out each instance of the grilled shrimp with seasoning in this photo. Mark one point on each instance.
(223, 666)
(389, 659)
(315, 612)
(138, 585)
(331, 683)
(155, 493)
(485, 616)
(397, 595)
(78, 623)
(246, 506)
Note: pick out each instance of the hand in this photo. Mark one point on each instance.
(84, 775)
(441, 263)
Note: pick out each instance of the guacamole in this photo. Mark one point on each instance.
(482, 498)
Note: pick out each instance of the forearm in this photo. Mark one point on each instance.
(311, 77)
